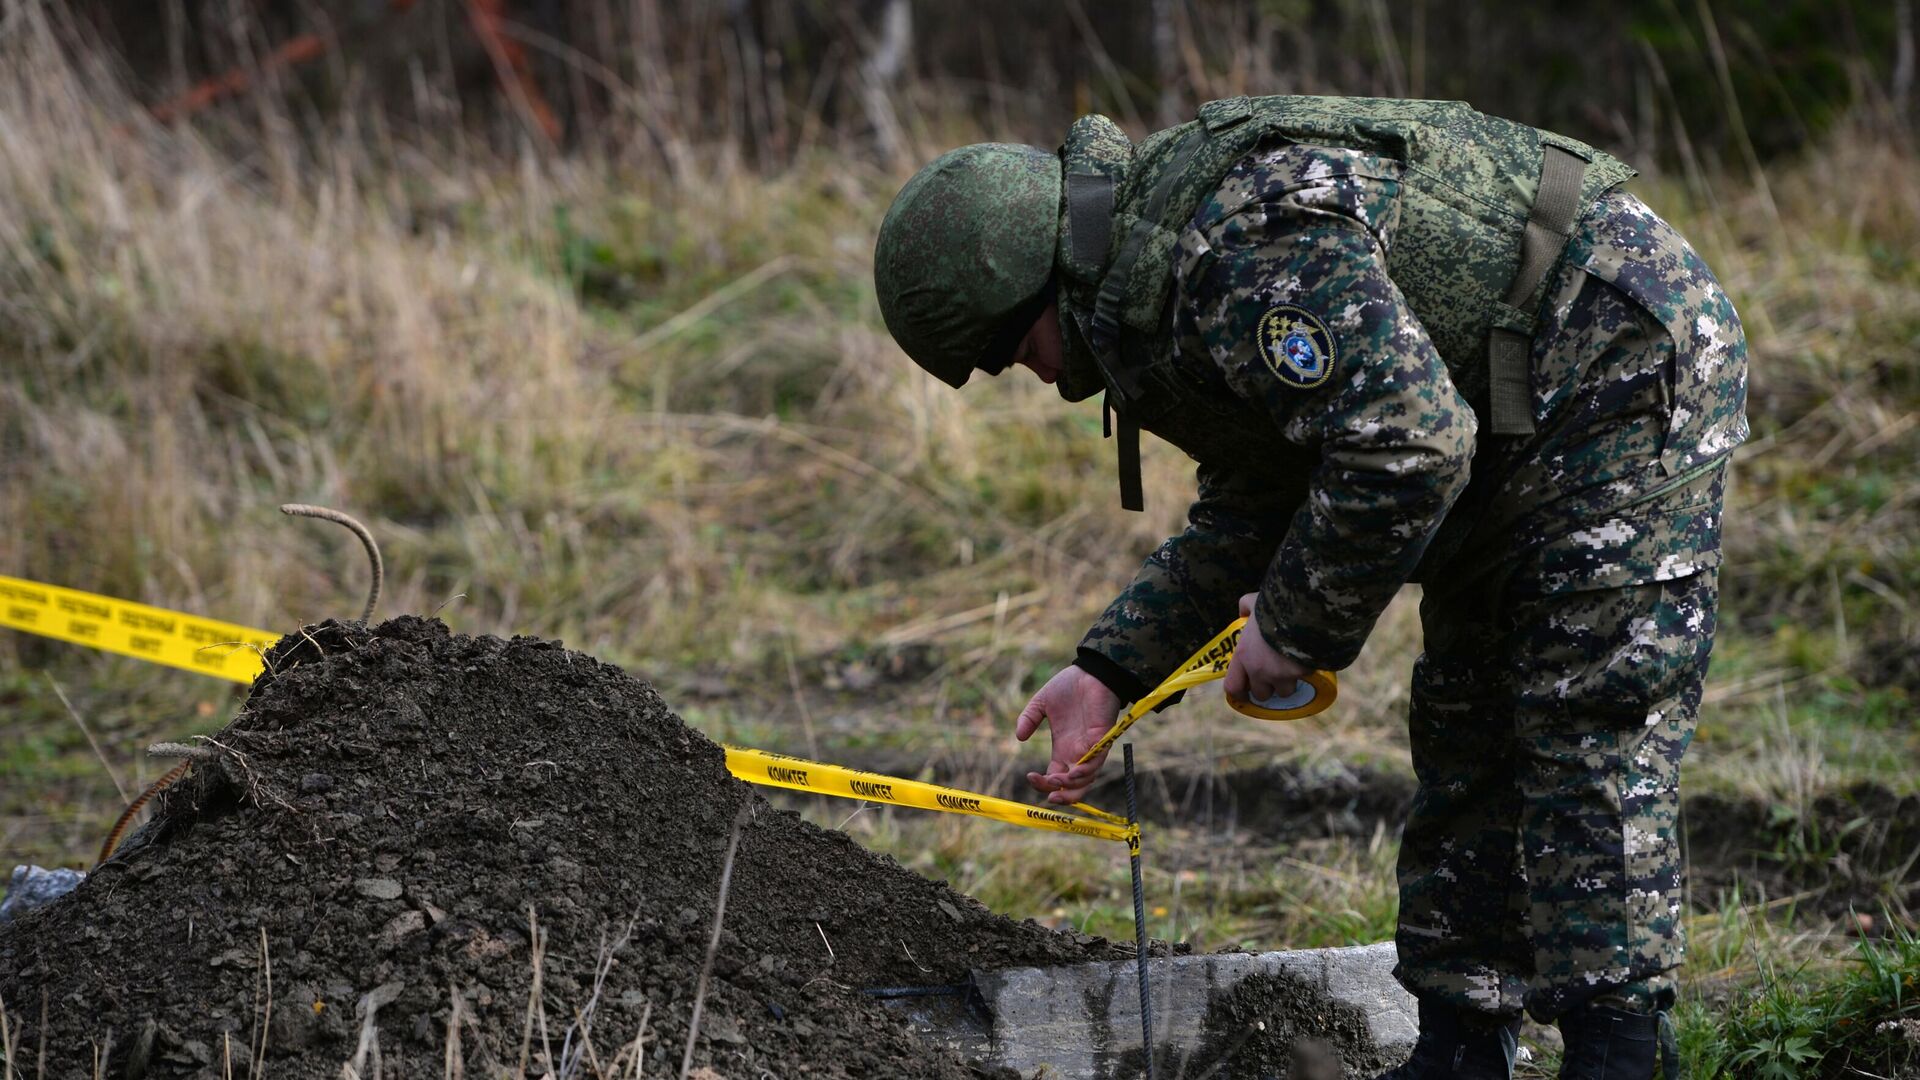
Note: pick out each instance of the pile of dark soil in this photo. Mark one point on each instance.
(397, 810)
(1271, 1025)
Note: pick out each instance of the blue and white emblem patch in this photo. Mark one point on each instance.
(1297, 346)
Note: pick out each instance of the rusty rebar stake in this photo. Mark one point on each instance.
(352, 525)
(1139, 915)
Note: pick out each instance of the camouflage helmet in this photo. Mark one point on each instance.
(964, 260)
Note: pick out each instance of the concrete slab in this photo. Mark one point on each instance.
(1221, 1015)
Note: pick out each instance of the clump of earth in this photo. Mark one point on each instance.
(402, 825)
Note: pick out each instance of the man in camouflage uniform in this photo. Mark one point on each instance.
(1335, 402)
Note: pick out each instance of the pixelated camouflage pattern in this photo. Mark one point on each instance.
(1632, 248)
(1094, 144)
(1541, 863)
(1190, 586)
(1469, 181)
(1569, 615)
(1674, 534)
(1639, 375)
(1384, 444)
(964, 249)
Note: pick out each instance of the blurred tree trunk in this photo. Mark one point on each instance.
(881, 71)
(1166, 62)
(771, 78)
(1903, 62)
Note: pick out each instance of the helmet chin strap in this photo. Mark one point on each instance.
(1080, 376)
(1125, 432)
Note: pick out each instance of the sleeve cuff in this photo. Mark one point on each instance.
(1330, 659)
(1122, 682)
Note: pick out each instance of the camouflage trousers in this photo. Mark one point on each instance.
(1541, 864)
(1567, 638)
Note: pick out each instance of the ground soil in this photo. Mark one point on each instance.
(1855, 848)
(1278, 1026)
(398, 809)
(392, 818)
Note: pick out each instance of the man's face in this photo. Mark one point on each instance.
(1040, 351)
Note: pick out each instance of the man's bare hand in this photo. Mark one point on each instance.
(1258, 672)
(1079, 708)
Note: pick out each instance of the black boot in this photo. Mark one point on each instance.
(1454, 1043)
(1605, 1043)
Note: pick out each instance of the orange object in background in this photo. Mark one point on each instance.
(490, 25)
(298, 51)
(510, 62)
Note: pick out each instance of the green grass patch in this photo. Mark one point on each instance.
(1861, 1020)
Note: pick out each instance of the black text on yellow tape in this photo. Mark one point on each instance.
(228, 651)
(779, 770)
(208, 646)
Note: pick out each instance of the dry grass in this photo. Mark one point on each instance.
(658, 416)
(398, 333)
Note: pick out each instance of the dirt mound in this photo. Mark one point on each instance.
(1275, 1025)
(390, 807)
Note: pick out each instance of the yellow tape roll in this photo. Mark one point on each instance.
(1210, 662)
(1315, 692)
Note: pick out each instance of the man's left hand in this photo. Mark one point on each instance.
(1258, 672)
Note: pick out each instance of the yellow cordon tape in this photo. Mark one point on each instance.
(1315, 693)
(779, 770)
(207, 646)
(231, 652)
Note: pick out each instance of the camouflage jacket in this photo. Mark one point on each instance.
(1338, 460)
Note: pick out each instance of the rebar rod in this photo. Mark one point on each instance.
(1139, 916)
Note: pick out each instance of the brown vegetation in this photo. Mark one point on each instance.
(636, 394)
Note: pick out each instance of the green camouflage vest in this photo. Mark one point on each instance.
(1472, 252)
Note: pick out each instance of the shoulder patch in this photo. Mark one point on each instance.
(1296, 346)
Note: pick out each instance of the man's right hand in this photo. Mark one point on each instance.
(1079, 708)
